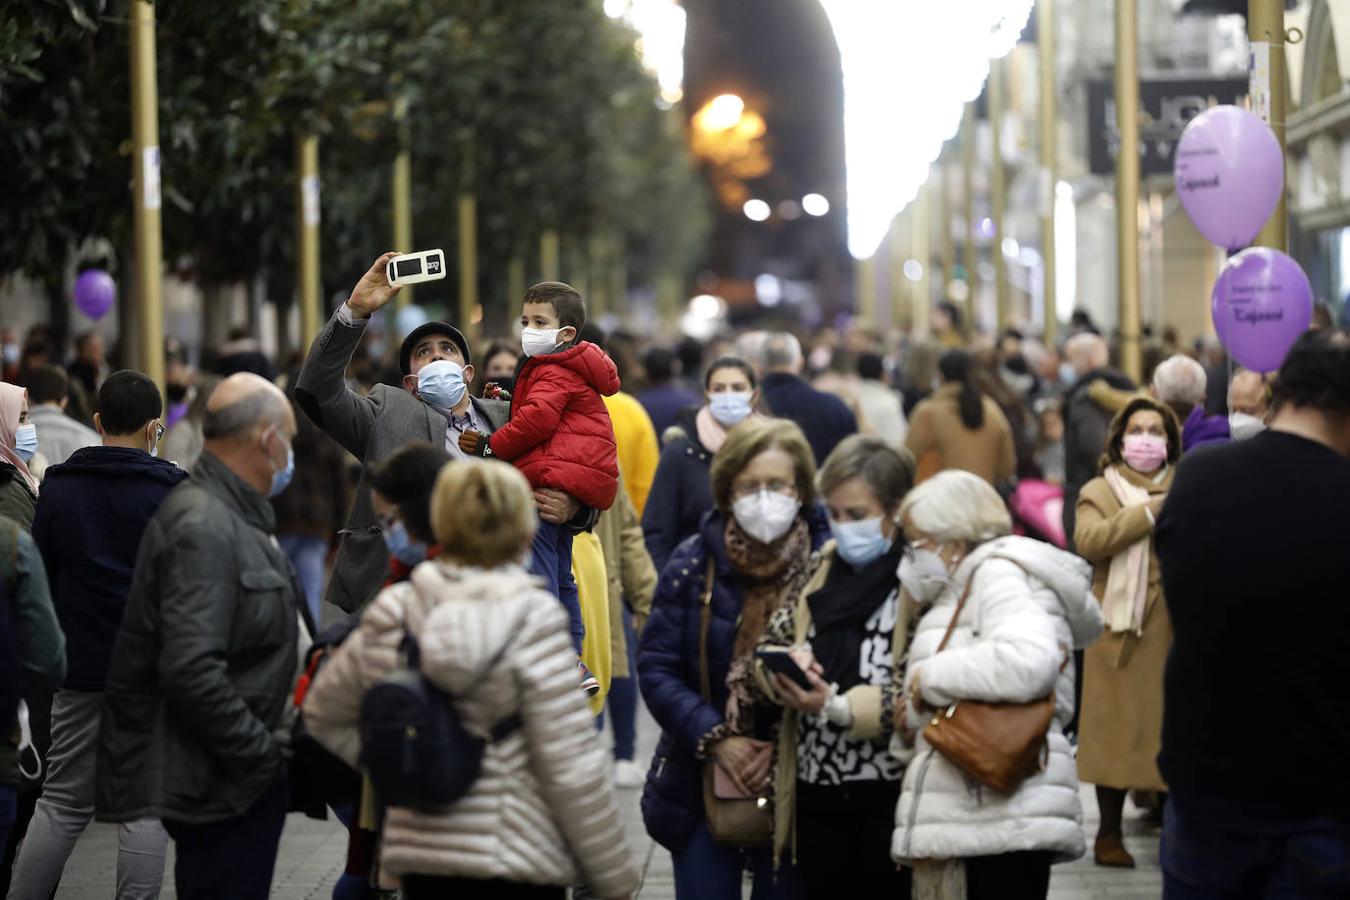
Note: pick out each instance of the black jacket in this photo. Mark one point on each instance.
(203, 669)
(824, 418)
(680, 494)
(90, 517)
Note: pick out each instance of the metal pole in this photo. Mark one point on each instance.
(145, 165)
(919, 249)
(550, 252)
(971, 256)
(898, 252)
(998, 188)
(945, 224)
(865, 291)
(1268, 91)
(1127, 185)
(307, 234)
(468, 259)
(402, 193)
(1045, 34)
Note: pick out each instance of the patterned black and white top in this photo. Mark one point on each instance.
(826, 755)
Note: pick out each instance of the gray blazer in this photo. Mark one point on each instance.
(371, 428)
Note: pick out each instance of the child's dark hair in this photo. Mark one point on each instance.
(565, 300)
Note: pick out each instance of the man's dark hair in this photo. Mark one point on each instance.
(1316, 373)
(127, 400)
(690, 352)
(659, 364)
(871, 366)
(953, 312)
(83, 339)
(47, 384)
(566, 302)
(593, 333)
(407, 478)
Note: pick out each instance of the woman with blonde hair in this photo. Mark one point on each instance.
(1120, 723)
(541, 815)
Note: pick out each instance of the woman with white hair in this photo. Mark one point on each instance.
(1001, 617)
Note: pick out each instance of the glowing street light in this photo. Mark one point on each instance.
(721, 113)
(756, 210)
(815, 204)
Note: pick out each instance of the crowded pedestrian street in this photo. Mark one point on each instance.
(674, 450)
(313, 855)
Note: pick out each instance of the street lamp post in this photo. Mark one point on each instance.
(1045, 34)
(1127, 185)
(307, 233)
(998, 188)
(145, 165)
(402, 192)
(1265, 32)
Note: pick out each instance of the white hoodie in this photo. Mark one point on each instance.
(1009, 645)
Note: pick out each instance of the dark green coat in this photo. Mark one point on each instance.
(203, 668)
(17, 500)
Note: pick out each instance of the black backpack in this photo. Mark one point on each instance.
(414, 747)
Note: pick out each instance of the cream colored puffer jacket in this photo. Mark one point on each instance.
(542, 811)
(1030, 607)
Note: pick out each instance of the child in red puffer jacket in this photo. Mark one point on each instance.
(559, 434)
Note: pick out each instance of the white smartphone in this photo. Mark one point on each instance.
(415, 268)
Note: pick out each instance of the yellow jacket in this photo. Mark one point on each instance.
(638, 450)
(588, 567)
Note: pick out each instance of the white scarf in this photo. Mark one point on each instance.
(1127, 579)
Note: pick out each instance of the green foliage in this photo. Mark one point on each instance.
(539, 107)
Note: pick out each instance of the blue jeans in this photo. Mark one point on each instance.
(1225, 850)
(706, 871)
(551, 560)
(623, 698)
(307, 554)
(233, 859)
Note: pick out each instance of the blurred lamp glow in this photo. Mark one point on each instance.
(815, 204)
(616, 8)
(722, 112)
(1066, 251)
(913, 270)
(768, 290)
(1010, 247)
(899, 108)
(661, 25)
(756, 210)
(789, 210)
(707, 306)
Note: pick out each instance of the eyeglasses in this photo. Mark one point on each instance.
(750, 488)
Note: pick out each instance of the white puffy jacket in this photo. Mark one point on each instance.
(542, 810)
(1013, 636)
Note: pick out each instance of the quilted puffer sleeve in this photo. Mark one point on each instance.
(566, 755)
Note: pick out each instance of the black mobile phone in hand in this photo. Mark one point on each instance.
(781, 662)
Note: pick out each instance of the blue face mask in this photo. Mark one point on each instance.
(440, 384)
(25, 441)
(861, 542)
(730, 407)
(282, 479)
(1067, 376)
(402, 547)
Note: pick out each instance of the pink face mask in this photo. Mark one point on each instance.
(1144, 452)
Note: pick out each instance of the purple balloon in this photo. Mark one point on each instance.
(1229, 173)
(95, 291)
(1261, 303)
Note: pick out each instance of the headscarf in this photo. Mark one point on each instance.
(11, 407)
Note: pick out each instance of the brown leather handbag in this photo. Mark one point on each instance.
(999, 745)
(733, 820)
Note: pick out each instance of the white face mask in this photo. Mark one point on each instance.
(923, 574)
(767, 515)
(1244, 426)
(539, 341)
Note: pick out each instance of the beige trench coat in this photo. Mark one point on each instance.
(1120, 723)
